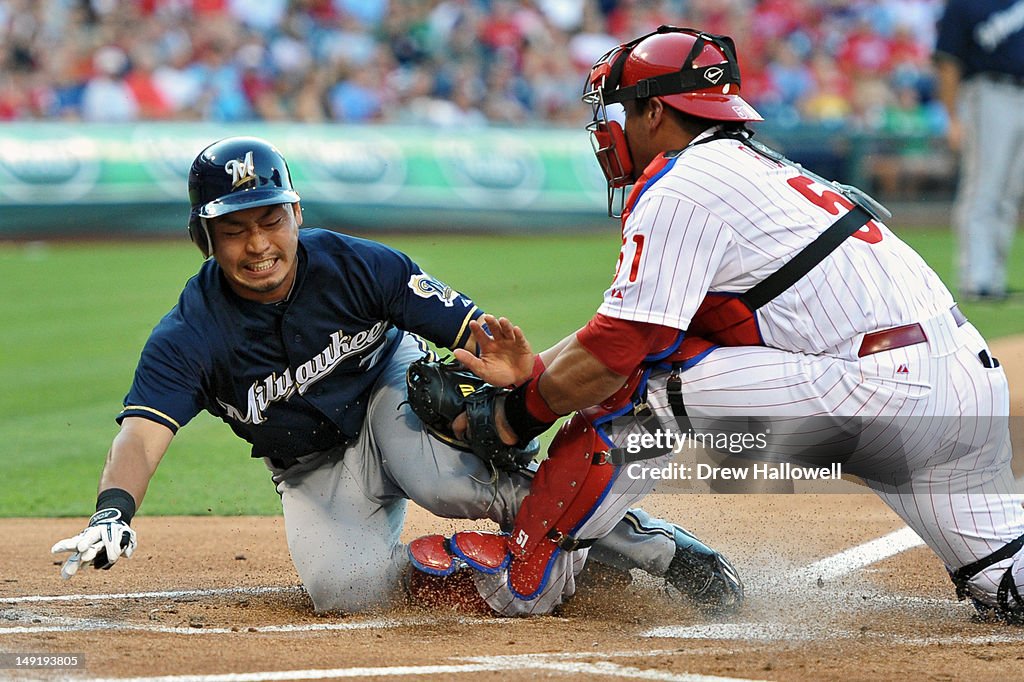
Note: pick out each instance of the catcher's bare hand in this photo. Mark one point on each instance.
(505, 355)
(460, 426)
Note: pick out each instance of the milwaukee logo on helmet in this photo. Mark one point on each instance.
(241, 171)
(714, 75)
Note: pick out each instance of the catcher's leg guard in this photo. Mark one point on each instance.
(441, 576)
(566, 490)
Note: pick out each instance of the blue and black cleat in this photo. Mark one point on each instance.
(704, 576)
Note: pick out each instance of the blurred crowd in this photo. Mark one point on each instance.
(859, 63)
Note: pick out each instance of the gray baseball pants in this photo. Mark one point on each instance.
(344, 519)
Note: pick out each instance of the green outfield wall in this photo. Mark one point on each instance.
(68, 179)
(74, 179)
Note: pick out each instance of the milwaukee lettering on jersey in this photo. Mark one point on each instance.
(277, 387)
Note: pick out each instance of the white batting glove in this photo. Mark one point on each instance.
(102, 543)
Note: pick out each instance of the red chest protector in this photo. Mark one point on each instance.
(726, 320)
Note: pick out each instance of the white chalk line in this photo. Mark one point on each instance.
(839, 565)
(577, 663)
(771, 632)
(94, 625)
(831, 568)
(856, 558)
(556, 663)
(169, 594)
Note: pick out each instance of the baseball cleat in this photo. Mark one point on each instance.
(704, 575)
(996, 614)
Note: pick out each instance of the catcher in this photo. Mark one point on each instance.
(746, 285)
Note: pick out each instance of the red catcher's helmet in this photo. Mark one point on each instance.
(689, 70)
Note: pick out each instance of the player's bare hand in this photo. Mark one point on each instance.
(460, 427)
(505, 356)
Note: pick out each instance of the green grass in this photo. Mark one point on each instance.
(74, 318)
(992, 319)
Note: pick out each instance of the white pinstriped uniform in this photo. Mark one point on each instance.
(724, 218)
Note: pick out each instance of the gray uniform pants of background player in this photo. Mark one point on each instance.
(344, 519)
(991, 183)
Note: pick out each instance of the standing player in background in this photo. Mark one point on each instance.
(750, 287)
(979, 55)
(300, 341)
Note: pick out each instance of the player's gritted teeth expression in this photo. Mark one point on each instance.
(256, 249)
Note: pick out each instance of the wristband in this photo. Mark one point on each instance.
(527, 412)
(121, 500)
(538, 369)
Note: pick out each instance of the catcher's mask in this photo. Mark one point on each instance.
(231, 175)
(694, 72)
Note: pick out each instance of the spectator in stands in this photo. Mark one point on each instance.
(592, 40)
(263, 16)
(564, 15)
(864, 52)
(359, 93)
(279, 59)
(790, 78)
(907, 159)
(152, 102)
(179, 84)
(107, 97)
(829, 101)
(223, 96)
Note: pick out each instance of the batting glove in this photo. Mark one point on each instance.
(102, 543)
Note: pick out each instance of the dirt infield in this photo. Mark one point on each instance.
(217, 599)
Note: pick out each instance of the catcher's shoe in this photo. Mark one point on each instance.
(704, 575)
(996, 614)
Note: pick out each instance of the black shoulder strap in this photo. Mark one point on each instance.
(803, 262)
(815, 252)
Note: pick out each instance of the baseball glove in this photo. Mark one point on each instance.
(441, 391)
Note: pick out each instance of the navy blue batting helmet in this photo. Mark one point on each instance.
(233, 174)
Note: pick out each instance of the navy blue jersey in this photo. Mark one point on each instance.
(984, 35)
(293, 377)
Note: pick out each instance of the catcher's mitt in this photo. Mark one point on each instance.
(441, 391)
